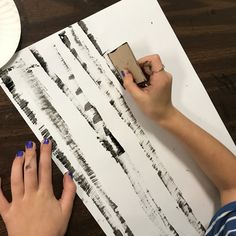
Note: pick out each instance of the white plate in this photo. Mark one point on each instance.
(10, 30)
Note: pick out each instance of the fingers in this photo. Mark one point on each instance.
(17, 182)
(151, 63)
(132, 87)
(68, 195)
(45, 166)
(4, 204)
(30, 168)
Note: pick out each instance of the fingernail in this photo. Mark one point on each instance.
(70, 174)
(19, 154)
(29, 144)
(122, 73)
(46, 141)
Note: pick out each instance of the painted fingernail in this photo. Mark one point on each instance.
(29, 144)
(19, 154)
(46, 141)
(70, 174)
(122, 73)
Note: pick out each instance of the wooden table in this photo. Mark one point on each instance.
(207, 31)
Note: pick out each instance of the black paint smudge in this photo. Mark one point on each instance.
(90, 36)
(24, 105)
(78, 91)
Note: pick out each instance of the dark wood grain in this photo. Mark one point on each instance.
(205, 28)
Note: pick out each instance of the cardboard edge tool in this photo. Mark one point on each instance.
(123, 58)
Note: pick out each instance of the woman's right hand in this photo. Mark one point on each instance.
(155, 99)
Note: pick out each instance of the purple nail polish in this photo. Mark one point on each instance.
(19, 154)
(122, 73)
(29, 144)
(70, 174)
(46, 141)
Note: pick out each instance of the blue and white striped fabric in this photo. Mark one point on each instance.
(224, 222)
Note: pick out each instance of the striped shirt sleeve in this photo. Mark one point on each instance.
(224, 222)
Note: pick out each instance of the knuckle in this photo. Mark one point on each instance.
(156, 57)
(126, 83)
(45, 192)
(29, 167)
(30, 154)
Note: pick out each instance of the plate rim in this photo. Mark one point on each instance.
(18, 36)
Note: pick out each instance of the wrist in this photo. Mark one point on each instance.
(169, 117)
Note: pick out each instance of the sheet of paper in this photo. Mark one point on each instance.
(134, 178)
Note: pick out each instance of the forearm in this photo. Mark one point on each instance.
(218, 163)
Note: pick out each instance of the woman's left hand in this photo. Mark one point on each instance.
(34, 210)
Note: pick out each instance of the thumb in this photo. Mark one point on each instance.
(4, 204)
(68, 195)
(131, 86)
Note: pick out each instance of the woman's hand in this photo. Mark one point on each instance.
(154, 100)
(34, 210)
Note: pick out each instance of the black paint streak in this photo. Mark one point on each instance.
(88, 106)
(84, 65)
(94, 42)
(40, 59)
(120, 148)
(71, 77)
(97, 118)
(9, 83)
(164, 219)
(24, 105)
(66, 41)
(118, 76)
(90, 36)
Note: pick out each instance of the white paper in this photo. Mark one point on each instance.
(134, 178)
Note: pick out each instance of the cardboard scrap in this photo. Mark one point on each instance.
(123, 58)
